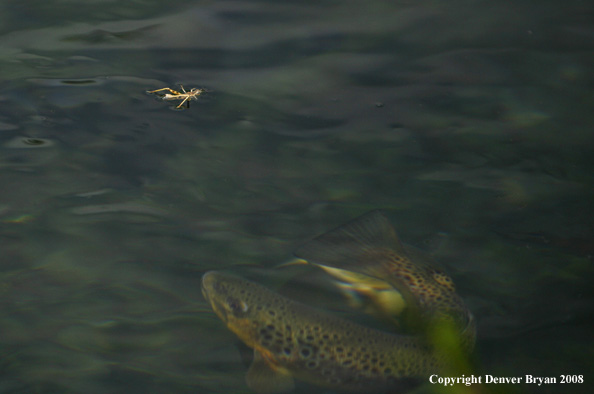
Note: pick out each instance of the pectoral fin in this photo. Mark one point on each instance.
(266, 379)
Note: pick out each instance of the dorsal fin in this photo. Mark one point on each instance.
(360, 246)
(265, 379)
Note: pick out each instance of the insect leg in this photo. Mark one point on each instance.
(160, 90)
(182, 103)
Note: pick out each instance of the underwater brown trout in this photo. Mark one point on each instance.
(401, 283)
(293, 340)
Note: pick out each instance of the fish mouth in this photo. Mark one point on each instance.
(207, 284)
(210, 284)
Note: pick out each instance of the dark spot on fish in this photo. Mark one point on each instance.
(309, 337)
(326, 336)
(339, 349)
(272, 313)
(347, 362)
(305, 352)
(311, 364)
(287, 351)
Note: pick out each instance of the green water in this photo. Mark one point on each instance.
(468, 122)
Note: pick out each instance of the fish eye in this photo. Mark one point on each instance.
(238, 307)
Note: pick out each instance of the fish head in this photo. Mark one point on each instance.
(218, 290)
(443, 281)
(227, 298)
(244, 306)
(251, 312)
(434, 292)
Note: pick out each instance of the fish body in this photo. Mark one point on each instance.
(401, 284)
(291, 339)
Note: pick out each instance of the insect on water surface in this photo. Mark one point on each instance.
(186, 97)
